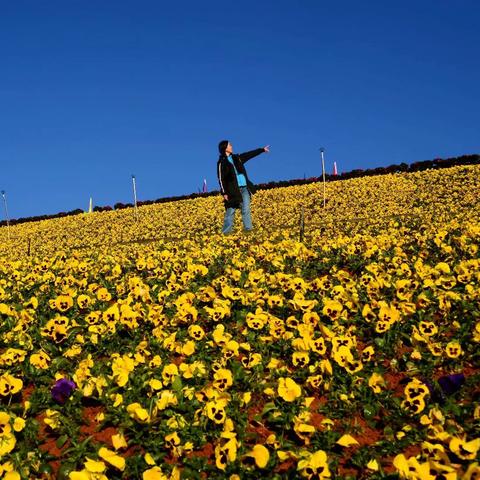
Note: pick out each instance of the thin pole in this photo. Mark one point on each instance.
(323, 175)
(135, 196)
(4, 195)
(302, 223)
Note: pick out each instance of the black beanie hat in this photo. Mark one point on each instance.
(222, 146)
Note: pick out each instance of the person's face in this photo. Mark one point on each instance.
(229, 149)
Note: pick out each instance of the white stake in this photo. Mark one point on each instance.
(4, 195)
(135, 196)
(323, 174)
(90, 206)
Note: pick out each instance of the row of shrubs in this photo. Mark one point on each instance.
(403, 167)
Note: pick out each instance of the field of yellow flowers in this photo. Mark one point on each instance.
(151, 347)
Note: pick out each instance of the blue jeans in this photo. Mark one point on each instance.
(246, 216)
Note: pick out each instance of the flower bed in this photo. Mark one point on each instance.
(246, 357)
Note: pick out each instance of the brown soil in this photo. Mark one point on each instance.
(171, 459)
(103, 436)
(393, 383)
(26, 392)
(412, 451)
(343, 470)
(49, 445)
(134, 450)
(256, 429)
(400, 351)
(88, 429)
(207, 451)
(259, 431)
(285, 466)
(368, 435)
(177, 359)
(316, 420)
(467, 370)
(318, 402)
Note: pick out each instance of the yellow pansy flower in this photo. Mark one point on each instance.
(260, 454)
(119, 441)
(466, 450)
(453, 349)
(9, 385)
(376, 382)
(154, 473)
(121, 368)
(347, 441)
(288, 389)
(225, 454)
(112, 458)
(139, 413)
(18, 424)
(315, 465)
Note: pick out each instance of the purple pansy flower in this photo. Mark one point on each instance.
(62, 389)
(451, 383)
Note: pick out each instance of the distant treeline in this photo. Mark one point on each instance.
(357, 173)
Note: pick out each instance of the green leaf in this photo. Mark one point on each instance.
(61, 441)
(369, 411)
(64, 471)
(177, 384)
(268, 407)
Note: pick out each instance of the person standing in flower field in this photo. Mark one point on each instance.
(235, 186)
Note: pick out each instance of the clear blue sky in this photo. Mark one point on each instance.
(93, 91)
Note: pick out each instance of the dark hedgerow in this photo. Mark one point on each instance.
(356, 173)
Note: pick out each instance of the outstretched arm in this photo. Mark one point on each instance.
(245, 157)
